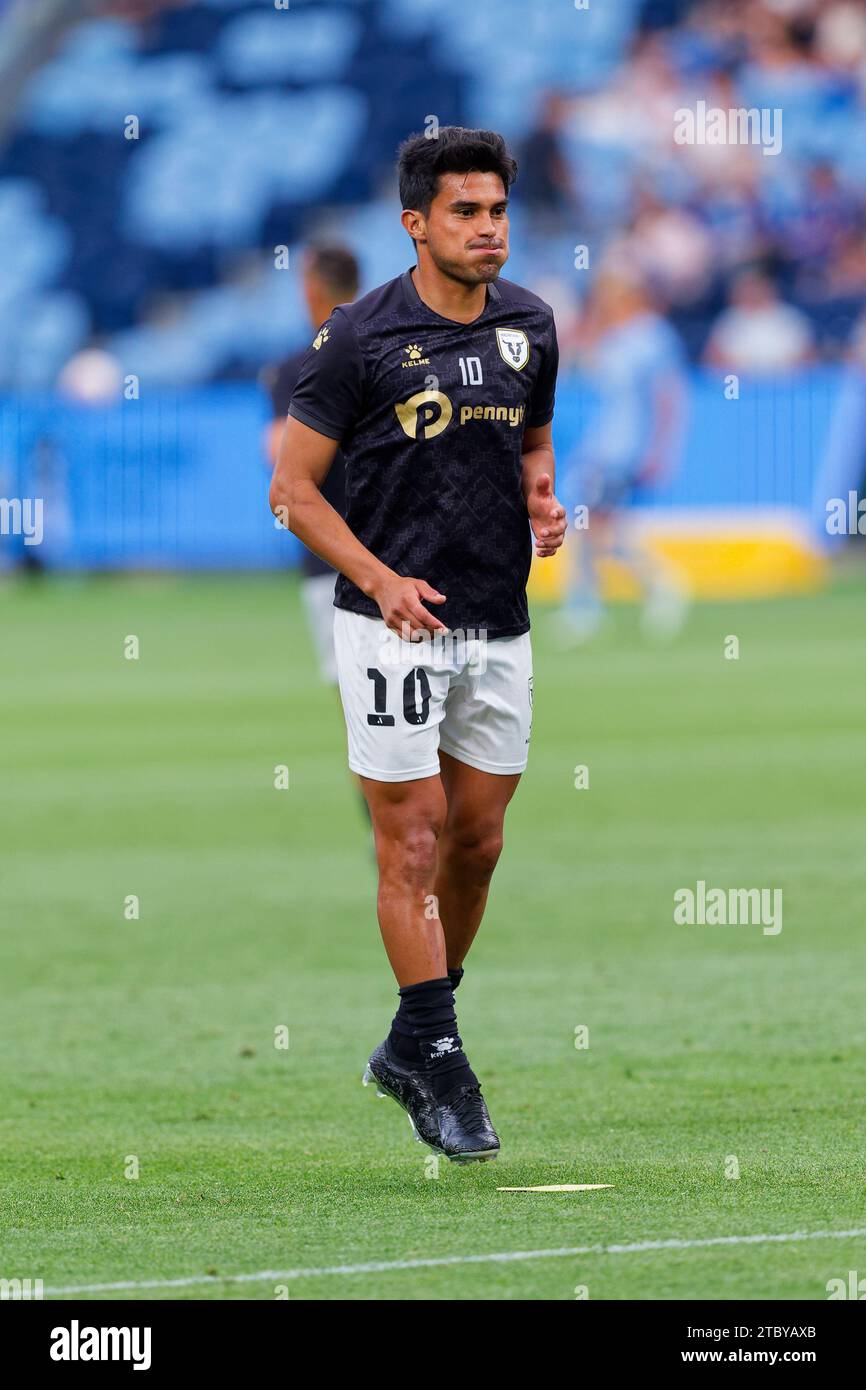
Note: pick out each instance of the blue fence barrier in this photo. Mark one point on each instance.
(178, 479)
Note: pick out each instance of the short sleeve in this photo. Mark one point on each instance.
(328, 395)
(544, 390)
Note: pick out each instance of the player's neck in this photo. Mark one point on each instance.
(450, 298)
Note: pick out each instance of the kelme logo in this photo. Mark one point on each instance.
(416, 356)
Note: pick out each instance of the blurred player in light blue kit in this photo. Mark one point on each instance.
(634, 439)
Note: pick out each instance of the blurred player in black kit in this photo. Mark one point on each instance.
(329, 276)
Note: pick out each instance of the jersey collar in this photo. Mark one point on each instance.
(414, 298)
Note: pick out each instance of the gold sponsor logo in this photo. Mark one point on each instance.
(428, 413)
(321, 337)
(425, 414)
(511, 414)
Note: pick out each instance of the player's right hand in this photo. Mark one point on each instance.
(400, 603)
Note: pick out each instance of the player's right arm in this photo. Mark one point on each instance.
(304, 458)
(327, 402)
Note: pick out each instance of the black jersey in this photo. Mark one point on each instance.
(430, 414)
(280, 381)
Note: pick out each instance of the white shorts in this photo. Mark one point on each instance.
(403, 701)
(317, 591)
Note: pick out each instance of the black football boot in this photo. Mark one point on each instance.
(457, 1126)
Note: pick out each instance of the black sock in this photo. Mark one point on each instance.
(426, 1010)
(424, 1035)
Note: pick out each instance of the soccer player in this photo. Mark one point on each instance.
(633, 441)
(329, 276)
(439, 388)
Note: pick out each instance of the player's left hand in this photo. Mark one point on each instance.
(546, 516)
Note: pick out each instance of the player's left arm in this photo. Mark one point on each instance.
(546, 514)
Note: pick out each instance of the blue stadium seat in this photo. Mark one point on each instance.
(33, 247)
(212, 179)
(49, 329)
(259, 126)
(297, 45)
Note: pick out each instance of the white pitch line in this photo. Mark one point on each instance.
(503, 1257)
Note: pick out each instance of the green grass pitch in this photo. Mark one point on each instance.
(148, 1045)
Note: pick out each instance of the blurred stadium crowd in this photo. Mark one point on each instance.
(157, 153)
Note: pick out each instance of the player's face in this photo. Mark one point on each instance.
(466, 229)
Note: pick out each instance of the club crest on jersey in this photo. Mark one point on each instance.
(513, 347)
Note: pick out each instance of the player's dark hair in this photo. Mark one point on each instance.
(336, 267)
(453, 150)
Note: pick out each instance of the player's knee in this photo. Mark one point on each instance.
(410, 852)
(418, 854)
(485, 854)
(479, 848)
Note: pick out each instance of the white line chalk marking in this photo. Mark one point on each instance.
(280, 1276)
